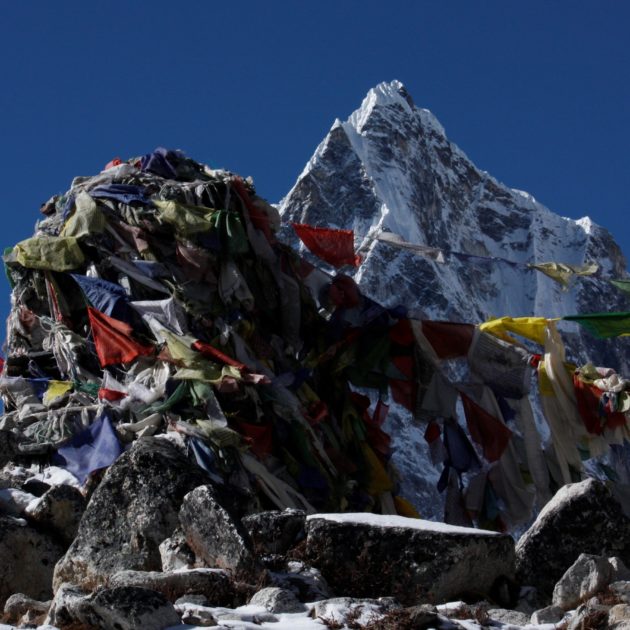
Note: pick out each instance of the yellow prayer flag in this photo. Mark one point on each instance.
(532, 328)
(56, 389)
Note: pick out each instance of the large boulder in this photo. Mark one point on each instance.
(369, 555)
(587, 576)
(132, 511)
(213, 584)
(216, 536)
(121, 608)
(581, 518)
(27, 560)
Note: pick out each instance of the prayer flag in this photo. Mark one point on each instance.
(603, 325)
(333, 246)
(104, 296)
(622, 285)
(92, 449)
(491, 434)
(564, 274)
(113, 340)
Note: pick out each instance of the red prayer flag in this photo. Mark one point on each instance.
(113, 340)
(110, 394)
(491, 434)
(259, 436)
(449, 340)
(334, 246)
(216, 355)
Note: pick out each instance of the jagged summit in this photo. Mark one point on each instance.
(390, 166)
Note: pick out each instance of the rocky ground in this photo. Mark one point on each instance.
(155, 545)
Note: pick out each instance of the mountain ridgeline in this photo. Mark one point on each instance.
(391, 167)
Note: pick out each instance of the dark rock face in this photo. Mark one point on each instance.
(61, 509)
(275, 532)
(122, 608)
(132, 511)
(27, 560)
(582, 518)
(217, 538)
(214, 585)
(8, 447)
(413, 565)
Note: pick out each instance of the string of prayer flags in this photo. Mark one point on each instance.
(336, 247)
(432, 253)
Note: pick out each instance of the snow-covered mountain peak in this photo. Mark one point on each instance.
(383, 95)
(391, 168)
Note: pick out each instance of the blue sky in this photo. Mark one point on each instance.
(536, 93)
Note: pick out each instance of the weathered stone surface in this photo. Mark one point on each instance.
(131, 512)
(588, 616)
(622, 590)
(64, 608)
(27, 560)
(123, 608)
(619, 617)
(510, 617)
(275, 532)
(217, 538)
(128, 608)
(414, 561)
(581, 518)
(19, 605)
(306, 582)
(549, 614)
(586, 576)
(424, 616)
(175, 553)
(213, 584)
(277, 600)
(61, 509)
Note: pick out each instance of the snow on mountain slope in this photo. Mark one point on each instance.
(391, 167)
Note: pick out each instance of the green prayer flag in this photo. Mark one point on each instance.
(603, 325)
(623, 285)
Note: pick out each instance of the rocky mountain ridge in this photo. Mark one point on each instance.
(391, 167)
